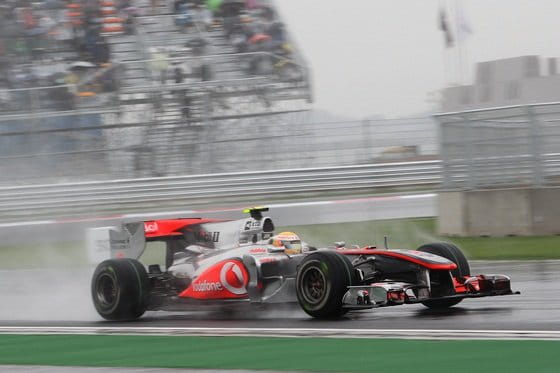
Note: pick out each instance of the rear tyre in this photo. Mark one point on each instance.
(454, 254)
(322, 280)
(120, 289)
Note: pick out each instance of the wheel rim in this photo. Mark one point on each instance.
(314, 285)
(106, 290)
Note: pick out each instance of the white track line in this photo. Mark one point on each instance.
(292, 332)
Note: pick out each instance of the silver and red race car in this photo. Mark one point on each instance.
(219, 262)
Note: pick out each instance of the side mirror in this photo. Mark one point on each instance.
(339, 244)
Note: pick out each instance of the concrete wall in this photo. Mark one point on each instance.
(451, 212)
(545, 211)
(500, 212)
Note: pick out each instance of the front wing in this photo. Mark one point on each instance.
(383, 294)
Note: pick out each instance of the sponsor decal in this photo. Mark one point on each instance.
(227, 279)
(232, 278)
(252, 224)
(150, 227)
(258, 250)
(207, 286)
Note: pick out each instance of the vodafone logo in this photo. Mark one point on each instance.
(232, 278)
(223, 280)
(207, 286)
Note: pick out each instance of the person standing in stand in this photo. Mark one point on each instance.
(155, 6)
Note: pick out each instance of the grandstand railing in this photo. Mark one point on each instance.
(38, 99)
(110, 143)
(58, 98)
(31, 100)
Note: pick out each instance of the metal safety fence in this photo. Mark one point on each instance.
(95, 144)
(145, 125)
(120, 196)
(501, 147)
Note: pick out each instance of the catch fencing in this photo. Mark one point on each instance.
(143, 126)
(132, 142)
(516, 146)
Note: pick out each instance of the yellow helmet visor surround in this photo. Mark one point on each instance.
(292, 247)
(289, 240)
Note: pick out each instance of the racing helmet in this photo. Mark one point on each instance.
(289, 240)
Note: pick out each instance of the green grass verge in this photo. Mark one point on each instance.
(292, 354)
(411, 233)
(45, 255)
(402, 233)
(62, 255)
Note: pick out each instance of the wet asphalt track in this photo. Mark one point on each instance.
(61, 298)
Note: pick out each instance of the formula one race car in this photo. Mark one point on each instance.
(219, 262)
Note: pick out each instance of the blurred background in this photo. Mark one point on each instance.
(420, 121)
(129, 106)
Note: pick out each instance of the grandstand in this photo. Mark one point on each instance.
(141, 88)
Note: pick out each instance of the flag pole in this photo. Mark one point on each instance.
(459, 74)
(447, 54)
(463, 31)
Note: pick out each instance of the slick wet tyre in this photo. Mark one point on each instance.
(322, 280)
(120, 289)
(454, 254)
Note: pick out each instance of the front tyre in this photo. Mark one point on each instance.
(454, 254)
(120, 289)
(322, 280)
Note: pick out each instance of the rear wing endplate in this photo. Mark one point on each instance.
(124, 241)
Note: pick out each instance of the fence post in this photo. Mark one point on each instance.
(469, 139)
(535, 145)
(444, 155)
(366, 137)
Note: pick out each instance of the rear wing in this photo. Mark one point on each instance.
(128, 240)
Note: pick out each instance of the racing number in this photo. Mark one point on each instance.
(215, 236)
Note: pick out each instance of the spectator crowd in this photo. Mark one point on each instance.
(50, 43)
(64, 43)
(249, 25)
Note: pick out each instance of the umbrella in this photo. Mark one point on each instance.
(58, 78)
(258, 38)
(214, 4)
(81, 64)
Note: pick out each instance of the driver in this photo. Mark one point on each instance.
(289, 240)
